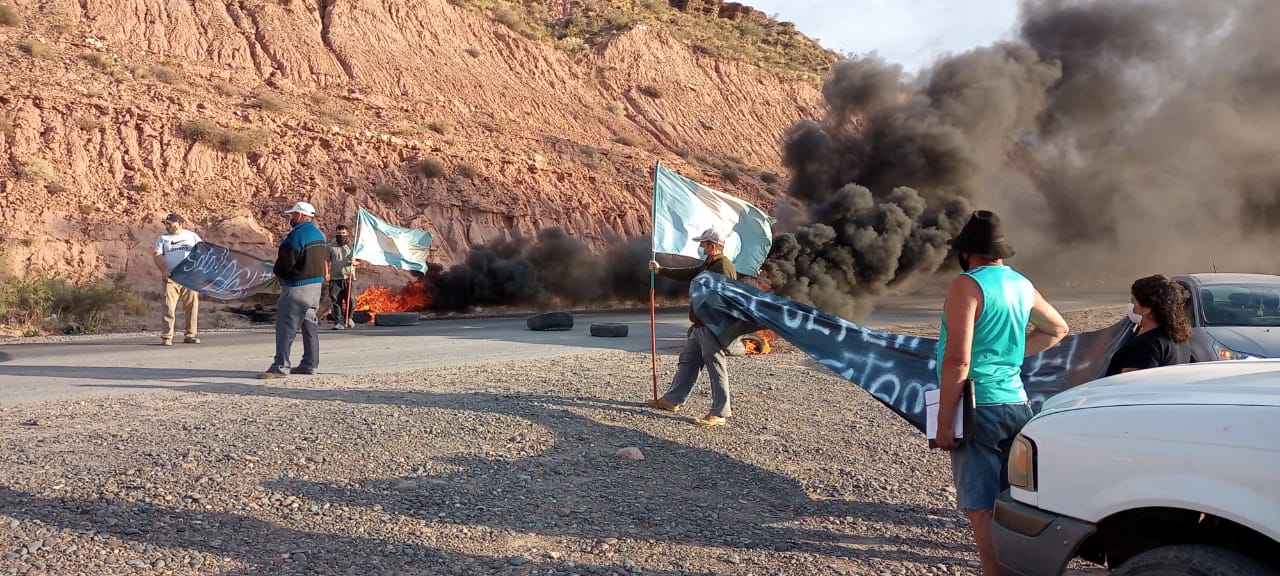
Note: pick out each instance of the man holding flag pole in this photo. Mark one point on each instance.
(729, 235)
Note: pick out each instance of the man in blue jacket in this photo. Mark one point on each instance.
(300, 266)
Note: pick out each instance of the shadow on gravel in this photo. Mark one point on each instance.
(239, 537)
(577, 487)
(120, 373)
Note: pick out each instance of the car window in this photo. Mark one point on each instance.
(1240, 304)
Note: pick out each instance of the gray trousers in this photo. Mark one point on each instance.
(297, 310)
(701, 349)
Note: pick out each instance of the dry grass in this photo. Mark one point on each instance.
(36, 170)
(6, 125)
(651, 91)
(473, 52)
(440, 127)
(55, 188)
(429, 167)
(38, 50)
(99, 60)
(90, 123)
(626, 140)
(386, 193)
(617, 108)
(236, 141)
(269, 102)
(468, 171)
(340, 117)
(9, 16)
(224, 88)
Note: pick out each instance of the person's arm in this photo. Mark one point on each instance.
(158, 257)
(1048, 327)
(964, 299)
(286, 259)
(681, 274)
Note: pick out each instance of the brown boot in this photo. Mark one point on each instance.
(663, 404)
(711, 420)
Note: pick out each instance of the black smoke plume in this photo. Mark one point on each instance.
(1116, 139)
(552, 270)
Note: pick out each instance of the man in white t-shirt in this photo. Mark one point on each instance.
(171, 249)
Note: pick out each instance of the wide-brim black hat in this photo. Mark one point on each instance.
(982, 235)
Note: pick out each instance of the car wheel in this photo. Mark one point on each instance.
(550, 321)
(396, 319)
(1192, 560)
(609, 330)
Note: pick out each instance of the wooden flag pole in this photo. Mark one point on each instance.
(653, 306)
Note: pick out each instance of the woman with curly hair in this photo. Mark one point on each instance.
(1159, 307)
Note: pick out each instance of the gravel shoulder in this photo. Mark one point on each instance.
(502, 468)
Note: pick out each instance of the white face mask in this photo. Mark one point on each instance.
(1133, 316)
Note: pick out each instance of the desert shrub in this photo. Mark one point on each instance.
(468, 171)
(473, 52)
(731, 175)
(616, 108)
(224, 88)
(340, 117)
(207, 132)
(164, 74)
(37, 301)
(429, 167)
(55, 188)
(386, 193)
(9, 16)
(37, 49)
(769, 178)
(36, 170)
(269, 102)
(89, 123)
(440, 127)
(6, 125)
(98, 60)
(626, 140)
(651, 91)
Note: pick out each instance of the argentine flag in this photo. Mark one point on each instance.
(682, 209)
(382, 244)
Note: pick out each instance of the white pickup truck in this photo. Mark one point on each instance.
(1168, 471)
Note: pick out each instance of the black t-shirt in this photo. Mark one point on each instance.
(1149, 350)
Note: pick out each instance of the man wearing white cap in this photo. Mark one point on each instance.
(300, 265)
(701, 348)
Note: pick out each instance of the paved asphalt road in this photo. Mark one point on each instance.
(111, 365)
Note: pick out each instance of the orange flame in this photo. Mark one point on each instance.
(765, 336)
(412, 298)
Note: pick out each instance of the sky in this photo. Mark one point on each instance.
(912, 33)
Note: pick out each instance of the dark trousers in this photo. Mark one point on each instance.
(339, 300)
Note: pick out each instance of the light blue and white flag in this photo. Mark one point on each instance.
(383, 244)
(682, 209)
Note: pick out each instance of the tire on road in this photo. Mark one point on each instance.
(361, 317)
(1191, 560)
(550, 321)
(609, 330)
(396, 319)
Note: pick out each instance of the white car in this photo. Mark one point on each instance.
(1171, 470)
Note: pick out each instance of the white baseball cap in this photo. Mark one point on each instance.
(710, 235)
(303, 208)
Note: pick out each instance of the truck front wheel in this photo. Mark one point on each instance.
(1192, 560)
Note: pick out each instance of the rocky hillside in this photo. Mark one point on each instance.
(433, 114)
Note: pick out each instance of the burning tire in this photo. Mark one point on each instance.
(551, 321)
(396, 319)
(361, 317)
(739, 346)
(609, 330)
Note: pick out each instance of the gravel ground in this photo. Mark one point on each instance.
(487, 469)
